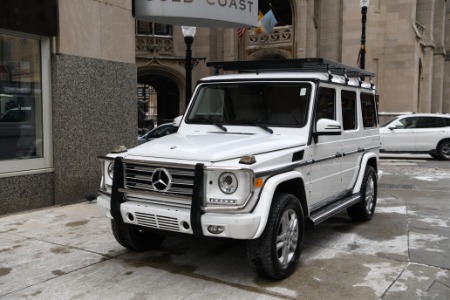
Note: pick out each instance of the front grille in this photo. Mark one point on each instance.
(159, 222)
(138, 184)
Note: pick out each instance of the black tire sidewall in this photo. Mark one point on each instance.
(441, 155)
(287, 202)
(370, 172)
(358, 211)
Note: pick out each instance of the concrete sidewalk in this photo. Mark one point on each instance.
(403, 253)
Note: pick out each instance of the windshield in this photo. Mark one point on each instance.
(251, 103)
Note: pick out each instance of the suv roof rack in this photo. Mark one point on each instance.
(302, 64)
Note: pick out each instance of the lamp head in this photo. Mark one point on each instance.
(364, 3)
(188, 31)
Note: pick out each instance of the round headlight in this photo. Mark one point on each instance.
(228, 183)
(111, 170)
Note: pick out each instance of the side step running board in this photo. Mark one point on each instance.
(324, 213)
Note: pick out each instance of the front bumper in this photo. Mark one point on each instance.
(236, 226)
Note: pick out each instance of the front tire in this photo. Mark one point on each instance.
(444, 150)
(365, 208)
(276, 252)
(135, 239)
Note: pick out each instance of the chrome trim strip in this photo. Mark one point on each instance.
(159, 202)
(284, 169)
(312, 161)
(156, 195)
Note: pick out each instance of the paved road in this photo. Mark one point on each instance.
(403, 253)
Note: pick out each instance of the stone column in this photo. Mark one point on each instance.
(446, 92)
(425, 16)
(330, 30)
(439, 56)
(426, 80)
(301, 32)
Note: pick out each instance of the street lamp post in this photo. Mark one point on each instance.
(362, 57)
(188, 33)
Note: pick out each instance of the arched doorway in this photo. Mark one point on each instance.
(159, 96)
(269, 54)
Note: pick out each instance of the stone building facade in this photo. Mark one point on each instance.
(407, 45)
(93, 55)
(79, 85)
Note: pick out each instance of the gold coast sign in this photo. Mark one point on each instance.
(201, 13)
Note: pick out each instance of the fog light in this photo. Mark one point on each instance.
(215, 229)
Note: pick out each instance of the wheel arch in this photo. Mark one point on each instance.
(296, 187)
(440, 143)
(369, 159)
(285, 183)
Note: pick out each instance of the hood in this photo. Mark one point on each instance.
(215, 147)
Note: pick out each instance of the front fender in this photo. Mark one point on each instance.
(265, 200)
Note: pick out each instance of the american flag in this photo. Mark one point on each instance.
(241, 32)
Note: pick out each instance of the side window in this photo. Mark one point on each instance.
(348, 103)
(369, 110)
(407, 123)
(446, 122)
(428, 122)
(326, 104)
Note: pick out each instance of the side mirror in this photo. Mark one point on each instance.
(392, 127)
(327, 127)
(177, 121)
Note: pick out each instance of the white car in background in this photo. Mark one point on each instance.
(417, 133)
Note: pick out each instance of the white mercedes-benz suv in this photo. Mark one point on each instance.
(258, 155)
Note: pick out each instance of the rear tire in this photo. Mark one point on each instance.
(135, 239)
(276, 252)
(444, 150)
(365, 208)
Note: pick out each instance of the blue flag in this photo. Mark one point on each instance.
(268, 22)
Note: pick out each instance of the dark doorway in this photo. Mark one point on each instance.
(168, 96)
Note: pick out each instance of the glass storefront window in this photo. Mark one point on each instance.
(24, 101)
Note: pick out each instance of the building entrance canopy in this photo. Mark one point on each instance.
(200, 13)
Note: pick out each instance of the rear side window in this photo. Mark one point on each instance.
(369, 110)
(326, 104)
(446, 122)
(348, 103)
(429, 122)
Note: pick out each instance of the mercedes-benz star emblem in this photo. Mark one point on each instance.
(161, 180)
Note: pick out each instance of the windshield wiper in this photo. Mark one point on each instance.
(210, 121)
(260, 125)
